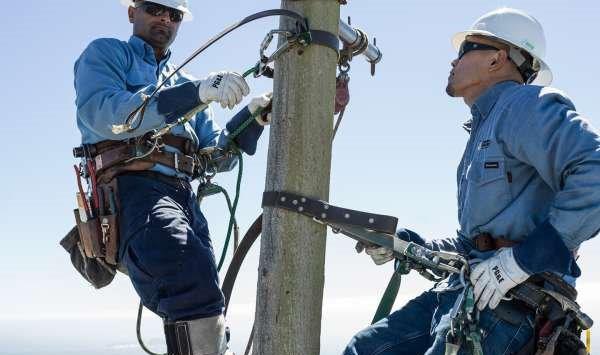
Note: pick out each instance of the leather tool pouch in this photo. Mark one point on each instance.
(95, 271)
(94, 244)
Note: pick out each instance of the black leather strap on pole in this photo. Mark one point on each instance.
(238, 258)
(326, 39)
(323, 211)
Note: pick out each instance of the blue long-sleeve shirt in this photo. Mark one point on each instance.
(530, 173)
(113, 76)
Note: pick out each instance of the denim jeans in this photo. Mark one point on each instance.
(166, 248)
(420, 327)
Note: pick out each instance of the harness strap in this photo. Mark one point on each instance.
(322, 211)
(121, 154)
(184, 145)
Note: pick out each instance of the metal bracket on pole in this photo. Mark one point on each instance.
(357, 41)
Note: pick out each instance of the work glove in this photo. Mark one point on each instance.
(382, 255)
(226, 88)
(494, 277)
(264, 104)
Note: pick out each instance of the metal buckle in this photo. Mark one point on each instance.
(105, 226)
(176, 162)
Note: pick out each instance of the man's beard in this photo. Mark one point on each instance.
(450, 90)
(160, 37)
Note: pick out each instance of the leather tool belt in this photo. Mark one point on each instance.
(114, 158)
(94, 242)
(559, 320)
(485, 242)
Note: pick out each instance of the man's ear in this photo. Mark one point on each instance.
(131, 14)
(498, 60)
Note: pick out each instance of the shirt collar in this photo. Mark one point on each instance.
(144, 50)
(482, 107)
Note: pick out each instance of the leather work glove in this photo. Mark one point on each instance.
(494, 277)
(226, 88)
(380, 255)
(262, 102)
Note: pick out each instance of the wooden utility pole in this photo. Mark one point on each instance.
(292, 254)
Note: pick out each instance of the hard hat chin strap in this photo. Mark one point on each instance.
(528, 67)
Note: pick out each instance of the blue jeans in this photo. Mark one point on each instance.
(166, 248)
(420, 327)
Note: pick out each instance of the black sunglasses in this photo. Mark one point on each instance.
(159, 10)
(468, 46)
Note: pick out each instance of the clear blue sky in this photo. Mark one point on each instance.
(396, 153)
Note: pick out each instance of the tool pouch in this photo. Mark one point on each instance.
(94, 243)
(94, 270)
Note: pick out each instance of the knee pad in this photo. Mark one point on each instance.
(203, 336)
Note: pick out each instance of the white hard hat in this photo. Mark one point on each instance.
(181, 5)
(517, 28)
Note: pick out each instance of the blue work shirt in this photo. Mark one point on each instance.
(111, 79)
(530, 173)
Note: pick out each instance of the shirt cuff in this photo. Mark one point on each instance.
(175, 101)
(544, 250)
(248, 138)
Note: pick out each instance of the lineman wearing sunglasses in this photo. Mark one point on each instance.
(528, 196)
(164, 239)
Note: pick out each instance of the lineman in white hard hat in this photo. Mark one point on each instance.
(164, 240)
(528, 196)
(524, 37)
(180, 5)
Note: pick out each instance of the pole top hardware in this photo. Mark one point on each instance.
(356, 42)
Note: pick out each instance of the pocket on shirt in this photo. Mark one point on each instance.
(488, 192)
(489, 170)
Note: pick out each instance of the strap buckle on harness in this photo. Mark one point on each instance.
(176, 162)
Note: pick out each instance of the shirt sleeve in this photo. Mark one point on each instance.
(545, 131)
(102, 98)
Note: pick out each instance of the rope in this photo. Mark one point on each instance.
(232, 209)
(138, 331)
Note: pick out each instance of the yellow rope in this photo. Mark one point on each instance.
(588, 341)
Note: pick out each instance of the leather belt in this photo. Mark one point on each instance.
(485, 242)
(178, 162)
(184, 145)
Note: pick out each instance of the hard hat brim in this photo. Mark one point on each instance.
(544, 76)
(187, 15)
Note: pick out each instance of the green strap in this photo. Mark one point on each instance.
(391, 292)
(388, 298)
(473, 334)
